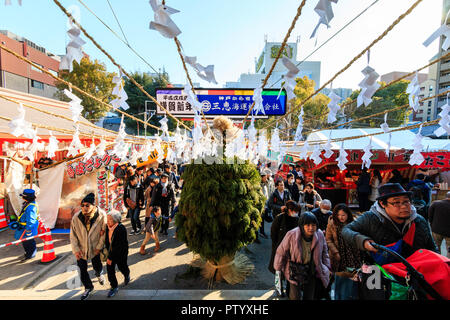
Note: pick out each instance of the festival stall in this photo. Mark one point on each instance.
(339, 185)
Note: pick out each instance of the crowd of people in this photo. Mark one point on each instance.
(318, 245)
(98, 236)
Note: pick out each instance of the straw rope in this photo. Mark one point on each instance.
(400, 18)
(120, 68)
(381, 88)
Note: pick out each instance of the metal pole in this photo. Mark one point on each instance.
(145, 119)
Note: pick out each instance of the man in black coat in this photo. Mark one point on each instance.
(163, 196)
(292, 187)
(322, 214)
(278, 198)
(388, 221)
(172, 176)
(133, 199)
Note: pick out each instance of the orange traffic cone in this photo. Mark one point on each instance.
(49, 250)
(3, 222)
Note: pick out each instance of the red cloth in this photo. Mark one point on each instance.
(434, 267)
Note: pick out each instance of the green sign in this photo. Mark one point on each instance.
(288, 51)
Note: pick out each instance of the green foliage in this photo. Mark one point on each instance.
(220, 208)
(385, 99)
(93, 78)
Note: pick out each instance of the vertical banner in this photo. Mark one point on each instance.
(102, 194)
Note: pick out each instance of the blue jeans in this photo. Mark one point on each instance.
(134, 215)
(345, 289)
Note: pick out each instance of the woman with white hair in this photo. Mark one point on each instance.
(117, 244)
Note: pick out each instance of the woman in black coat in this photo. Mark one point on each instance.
(117, 244)
(285, 221)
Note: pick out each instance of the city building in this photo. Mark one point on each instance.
(18, 75)
(443, 66)
(311, 69)
(426, 111)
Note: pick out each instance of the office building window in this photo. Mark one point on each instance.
(37, 84)
(429, 103)
(430, 88)
(36, 69)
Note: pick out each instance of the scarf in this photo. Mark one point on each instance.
(350, 255)
(87, 220)
(111, 231)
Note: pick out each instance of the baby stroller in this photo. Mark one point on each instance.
(404, 281)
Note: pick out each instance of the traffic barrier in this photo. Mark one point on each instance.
(3, 222)
(25, 239)
(49, 251)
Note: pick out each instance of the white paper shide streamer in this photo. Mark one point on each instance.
(19, 126)
(328, 152)
(121, 148)
(443, 30)
(205, 73)
(304, 151)
(257, 98)
(388, 148)
(90, 151)
(275, 141)
(367, 155)
(8, 2)
(75, 145)
(289, 78)
(315, 156)
(413, 90)
(101, 147)
(325, 12)
(75, 105)
(417, 157)
(333, 107)
(52, 146)
(342, 159)
(119, 92)
(34, 147)
(384, 126)
(444, 122)
(192, 98)
(163, 23)
(74, 51)
(298, 131)
(368, 86)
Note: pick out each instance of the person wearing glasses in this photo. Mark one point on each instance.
(392, 221)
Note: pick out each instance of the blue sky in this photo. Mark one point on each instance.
(230, 34)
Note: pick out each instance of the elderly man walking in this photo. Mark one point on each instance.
(439, 217)
(323, 213)
(87, 238)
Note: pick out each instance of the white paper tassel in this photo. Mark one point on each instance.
(443, 30)
(90, 151)
(275, 141)
(192, 98)
(8, 2)
(289, 78)
(328, 152)
(164, 127)
(325, 12)
(19, 126)
(205, 73)
(121, 148)
(159, 150)
(388, 148)
(413, 90)
(34, 147)
(367, 155)
(304, 151)
(342, 159)
(262, 146)
(368, 86)
(101, 148)
(417, 157)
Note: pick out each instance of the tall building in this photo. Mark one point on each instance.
(18, 75)
(426, 111)
(311, 69)
(443, 66)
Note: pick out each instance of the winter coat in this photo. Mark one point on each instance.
(139, 195)
(293, 190)
(118, 250)
(302, 201)
(322, 218)
(376, 225)
(291, 245)
(426, 190)
(275, 201)
(83, 241)
(281, 224)
(363, 183)
(167, 202)
(30, 219)
(439, 216)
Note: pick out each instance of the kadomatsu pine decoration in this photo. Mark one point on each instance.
(219, 213)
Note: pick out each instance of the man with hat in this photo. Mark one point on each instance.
(391, 221)
(28, 223)
(163, 196)
(87, 239)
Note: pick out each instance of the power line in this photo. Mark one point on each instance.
(350, 22)
(118, 37)
(123, 33)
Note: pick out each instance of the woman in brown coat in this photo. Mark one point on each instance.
(342, 254)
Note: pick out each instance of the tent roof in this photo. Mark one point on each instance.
(9, 109)
(400, 140)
